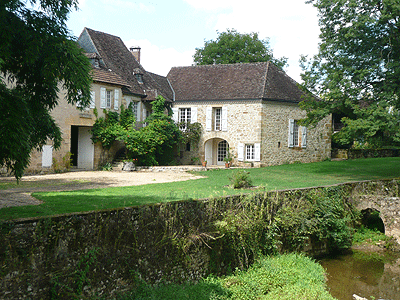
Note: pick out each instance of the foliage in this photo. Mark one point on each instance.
(229, 157)
(112, 126)
(290, 276)
(192, 132)
(234, 47)
(240, 179)
(366, 235)
(106, 167)
(356, 70)
(37, 57)
(153, 144)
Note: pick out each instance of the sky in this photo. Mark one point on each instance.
(169, 31)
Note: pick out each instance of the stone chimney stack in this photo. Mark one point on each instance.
(135, 52)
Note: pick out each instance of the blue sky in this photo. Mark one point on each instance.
(169, 31)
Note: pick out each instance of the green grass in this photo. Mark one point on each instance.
(216, 184)
(369, 236)
(285, 277)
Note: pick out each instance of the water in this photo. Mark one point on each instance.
(372, 275)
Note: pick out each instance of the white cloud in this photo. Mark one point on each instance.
(160, 61)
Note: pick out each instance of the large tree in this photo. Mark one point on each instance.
(38, 57)
(357, 70)
(234, 47)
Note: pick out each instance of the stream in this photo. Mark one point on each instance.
(372, 275)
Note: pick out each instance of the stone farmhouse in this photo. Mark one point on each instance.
(250, 110)
(118, 78)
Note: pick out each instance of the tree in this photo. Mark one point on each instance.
(234, 47)
(38, 57)
(356, 72)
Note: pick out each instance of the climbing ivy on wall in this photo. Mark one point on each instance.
(151, 145)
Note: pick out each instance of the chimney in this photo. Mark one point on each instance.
(135, 52)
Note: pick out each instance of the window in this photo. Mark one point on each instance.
(108, 96)
(250, 153)
(185, 116)
(217, 118)
(297, 135)
(108, 99)
(135, 109)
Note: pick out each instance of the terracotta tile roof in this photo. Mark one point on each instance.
(101, 75)
(245, 81)
(115, 56)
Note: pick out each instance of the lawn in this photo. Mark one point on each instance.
(216, 184)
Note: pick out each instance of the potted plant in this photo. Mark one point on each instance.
(228, 159)
(204, 163)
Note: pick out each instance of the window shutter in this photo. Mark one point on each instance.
(92, 99)
(144, 115)
(208, 118)
(102, 97)
(303, 136)
(240, 152)
(194, 115)
(175, 114)
(224, 118)
(116, 99)
(47, 156)
(290, 137)
(139, 109)
(257, 151)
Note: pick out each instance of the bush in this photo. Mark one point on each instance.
(240, 179)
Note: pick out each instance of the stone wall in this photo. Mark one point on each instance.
(67, 115)
(99, 253)
(266, 123)
(275, 131)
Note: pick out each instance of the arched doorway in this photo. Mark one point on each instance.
(215, 151)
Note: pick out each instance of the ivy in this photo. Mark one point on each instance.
(152, 145)
(192, 132)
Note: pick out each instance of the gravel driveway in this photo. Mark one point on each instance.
(82, 180)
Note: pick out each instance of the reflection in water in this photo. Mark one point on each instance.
(368, 274)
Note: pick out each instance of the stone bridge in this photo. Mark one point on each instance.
(389, 209)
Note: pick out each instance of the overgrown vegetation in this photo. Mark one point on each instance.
(290, 276)
(240, 179)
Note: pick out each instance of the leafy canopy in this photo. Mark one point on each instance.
(38, 57)
(234, 47)
(357, 69)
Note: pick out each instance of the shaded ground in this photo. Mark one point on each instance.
(21, 195)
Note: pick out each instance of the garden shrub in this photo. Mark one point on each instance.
(240, 179)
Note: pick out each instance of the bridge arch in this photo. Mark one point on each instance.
(389, 212)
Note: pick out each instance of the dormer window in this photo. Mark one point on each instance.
(139, 75)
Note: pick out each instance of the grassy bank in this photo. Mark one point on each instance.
(216, 184)
(284, 277)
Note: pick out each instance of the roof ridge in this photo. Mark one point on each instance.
(223, 65)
